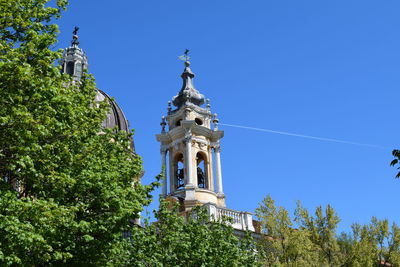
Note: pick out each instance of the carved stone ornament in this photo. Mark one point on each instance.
(202, 141)
(217, 147)
(188, 137)
(202, 145)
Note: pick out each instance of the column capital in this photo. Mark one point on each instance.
(163, 149)
(188, 137)
(217, 147)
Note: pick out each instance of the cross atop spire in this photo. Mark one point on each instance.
(75, 41)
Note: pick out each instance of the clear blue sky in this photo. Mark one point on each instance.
(322, 68)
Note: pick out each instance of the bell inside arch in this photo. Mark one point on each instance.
(179, 172)
(202, 181)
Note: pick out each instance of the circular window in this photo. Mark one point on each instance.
(198, 121)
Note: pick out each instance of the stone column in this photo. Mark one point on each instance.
(164, 166)
(189, 167)
(217, 151)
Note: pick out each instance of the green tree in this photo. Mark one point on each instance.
(322, 229)
(358, 247)
(66, 191)
(316, 243)
(387, 240)
(282, 243)
(193, 239)
(374, 244)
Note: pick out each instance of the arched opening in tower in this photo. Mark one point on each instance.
(179, 171)
(70, 68)
(202, 181)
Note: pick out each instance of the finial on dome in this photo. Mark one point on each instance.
(163, 123)
(169, 107)
(215, 121)
(75, 41)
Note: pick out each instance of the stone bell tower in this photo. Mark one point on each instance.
(189, 148)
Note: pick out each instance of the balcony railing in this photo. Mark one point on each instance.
(238, 219)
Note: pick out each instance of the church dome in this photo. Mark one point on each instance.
(74, 62)
(115, 117)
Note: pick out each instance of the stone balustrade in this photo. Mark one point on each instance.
(238, 219)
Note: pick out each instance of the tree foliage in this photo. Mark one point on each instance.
(192, 240)
(322, 229)
(282, 243)
(312, 240)
(396, 161)
(66, 191)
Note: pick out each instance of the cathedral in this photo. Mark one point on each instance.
(189, 140)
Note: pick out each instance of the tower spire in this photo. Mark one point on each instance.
(188, 93)
(75, 37)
